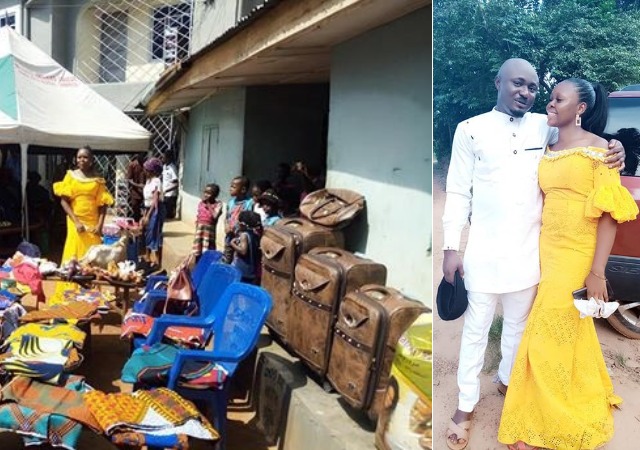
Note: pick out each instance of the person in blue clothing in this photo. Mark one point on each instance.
(270, 204)
(246, 246)
(240, 201)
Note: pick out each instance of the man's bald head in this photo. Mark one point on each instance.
(517, 84)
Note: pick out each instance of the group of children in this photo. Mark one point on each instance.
(247, 213)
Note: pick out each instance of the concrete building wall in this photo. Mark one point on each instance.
(40, 26)
(210, 20)
(284, 124)
(380, 145)
(216, 125)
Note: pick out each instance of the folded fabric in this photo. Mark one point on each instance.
(45, 414)
(160, 412)
(41, 358)
(70, 311)
(10, 319)
(6, 299)
(66, 400)
(102, 299)
(150, 366)
(135, 323)
(595, 308)
(29, 274)
(40, 429)
(62, 331)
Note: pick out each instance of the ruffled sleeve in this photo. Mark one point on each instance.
(103, 197)
(64, 188)
(609, 196)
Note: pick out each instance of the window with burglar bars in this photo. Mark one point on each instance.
(10, 17)
(131, 40)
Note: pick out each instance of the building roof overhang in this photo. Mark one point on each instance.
(289, 43)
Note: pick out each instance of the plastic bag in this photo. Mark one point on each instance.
(405, 420)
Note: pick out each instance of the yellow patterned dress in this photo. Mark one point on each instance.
(85, 197)
(560, 394)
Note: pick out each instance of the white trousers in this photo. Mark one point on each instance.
(475, 335)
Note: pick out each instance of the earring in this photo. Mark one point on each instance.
(578, 120)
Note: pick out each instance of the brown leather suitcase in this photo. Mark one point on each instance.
(370, 323)
(322, 277)
(282, 245)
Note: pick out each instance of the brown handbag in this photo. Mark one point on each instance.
(332, 207)
(180, 298)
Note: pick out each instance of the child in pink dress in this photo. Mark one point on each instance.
(209, 210)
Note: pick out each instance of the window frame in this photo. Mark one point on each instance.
(15, 11)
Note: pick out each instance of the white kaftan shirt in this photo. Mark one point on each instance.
(494, 175)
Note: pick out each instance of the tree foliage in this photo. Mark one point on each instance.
(598, 40)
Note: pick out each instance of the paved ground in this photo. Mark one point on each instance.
(103, 365)
(622, 356)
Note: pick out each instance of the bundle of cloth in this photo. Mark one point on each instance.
(56, 414)
(42, 351)
(11, 310)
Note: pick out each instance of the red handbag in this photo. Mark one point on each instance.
(180, 290)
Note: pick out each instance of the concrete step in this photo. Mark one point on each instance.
(294, 408)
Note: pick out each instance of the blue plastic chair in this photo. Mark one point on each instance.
(236, 322)
(156, 290)
(216, 280)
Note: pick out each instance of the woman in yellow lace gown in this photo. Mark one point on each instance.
(560, 395)
(84, 198)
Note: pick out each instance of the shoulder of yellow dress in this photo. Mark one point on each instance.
(595, 153)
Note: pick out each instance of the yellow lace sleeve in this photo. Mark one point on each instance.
(64, 188)
(104, 197)
(609, 196)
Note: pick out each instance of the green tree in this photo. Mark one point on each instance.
(598, 40)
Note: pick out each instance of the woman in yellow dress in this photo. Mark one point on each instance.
(560, 395)
(84, 198)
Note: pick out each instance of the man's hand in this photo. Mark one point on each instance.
(615, 156)
(451, 263)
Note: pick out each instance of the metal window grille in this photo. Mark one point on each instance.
(131, 40)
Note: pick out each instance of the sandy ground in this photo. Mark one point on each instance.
(484, 430)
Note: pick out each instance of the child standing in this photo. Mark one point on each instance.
(246, 246)
(240, 201)
(209, 211)
(270, 204)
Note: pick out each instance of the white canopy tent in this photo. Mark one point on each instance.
(43, 104)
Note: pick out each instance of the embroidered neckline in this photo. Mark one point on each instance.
(590, 151)
(86, 180)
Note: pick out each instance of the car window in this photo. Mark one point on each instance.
(624, 113)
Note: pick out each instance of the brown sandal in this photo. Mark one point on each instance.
(461, 430)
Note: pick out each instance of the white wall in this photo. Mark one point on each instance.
(380, 145)
(226, 112)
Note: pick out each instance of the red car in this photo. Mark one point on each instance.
(623, 268)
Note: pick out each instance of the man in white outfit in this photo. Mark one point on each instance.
(494, 161)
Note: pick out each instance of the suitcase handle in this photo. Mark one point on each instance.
(378, 293)
(353, 322)
(321, 210)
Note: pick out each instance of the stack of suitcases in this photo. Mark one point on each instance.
(330, 307)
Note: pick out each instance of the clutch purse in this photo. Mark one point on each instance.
(593, 307)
